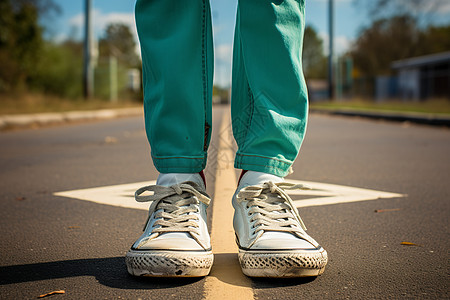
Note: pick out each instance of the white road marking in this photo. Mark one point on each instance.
(326, 194)
(121, 195)
(323, 194)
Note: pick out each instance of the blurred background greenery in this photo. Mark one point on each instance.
(39, 74)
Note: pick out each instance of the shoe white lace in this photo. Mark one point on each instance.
(271, 235)
(175, 241)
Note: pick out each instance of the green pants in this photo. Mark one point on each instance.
(269, 98)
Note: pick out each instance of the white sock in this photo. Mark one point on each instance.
(169, 179)
(256, 178)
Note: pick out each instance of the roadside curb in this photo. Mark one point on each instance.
(417, 118)
(43, 119)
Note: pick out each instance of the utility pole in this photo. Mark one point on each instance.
(88, 74)
(331, 49)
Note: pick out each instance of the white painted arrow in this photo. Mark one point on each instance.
(323, 194)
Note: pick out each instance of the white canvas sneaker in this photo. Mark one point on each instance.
(269, 231)
(175, 241)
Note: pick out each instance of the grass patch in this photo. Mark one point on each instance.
(38, 103)
(434, 106)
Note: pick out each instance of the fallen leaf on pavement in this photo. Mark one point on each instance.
(52, 293)
(73, 227)
(409, 244)
(110, 140)
(387, 210)
(20, 198)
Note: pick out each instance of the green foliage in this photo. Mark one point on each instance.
(29, 63)
(435, 39)
(384, 41)
(102, 80)
(220, 91)
(395, 38)
(20, 43)
(314, 61)
(118, 41)
(59, 70)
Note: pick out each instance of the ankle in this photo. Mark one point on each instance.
(242, 174)
(202, 175)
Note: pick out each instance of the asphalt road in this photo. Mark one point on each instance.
(54, 243)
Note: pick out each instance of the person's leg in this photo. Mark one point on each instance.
(176, 44)
(269, 97)
(177, 58)
(269, 115)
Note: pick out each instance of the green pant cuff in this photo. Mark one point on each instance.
(275, 166)
(179, 164)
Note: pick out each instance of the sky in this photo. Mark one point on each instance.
(349, 19)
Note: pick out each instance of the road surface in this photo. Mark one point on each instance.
(52, 242)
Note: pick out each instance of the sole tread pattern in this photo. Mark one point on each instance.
(285, 264)
(168, 264)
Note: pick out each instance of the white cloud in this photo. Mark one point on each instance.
(441, 7)
(445, 8)
(341, 43)
(223, 60)
(77, 20)
(60, 37)
(223, 53)
(217, 29)
(100, 21)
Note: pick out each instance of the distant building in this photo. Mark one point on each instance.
(423, 77)
(317, 90)
(386, 87)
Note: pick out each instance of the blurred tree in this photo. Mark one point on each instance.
(59, 70)
(435, 39)
(118, 41)
(20, 40)
(384, 41)
(221, 92)
(395, 38)
(314, 60)
(422, 11)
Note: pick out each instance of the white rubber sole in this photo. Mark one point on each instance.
(283, 264)
(169, 263)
